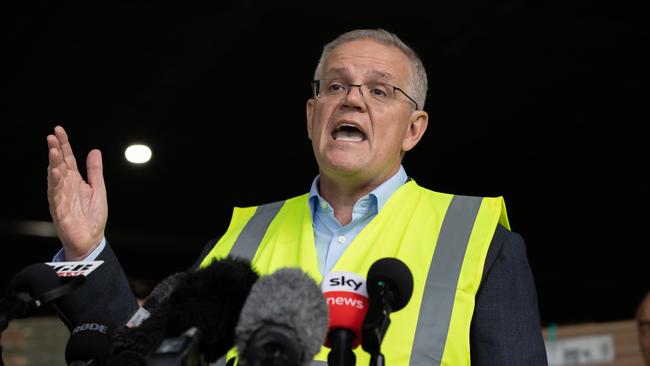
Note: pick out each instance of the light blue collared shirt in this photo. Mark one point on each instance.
(60, 257)
(330, 237)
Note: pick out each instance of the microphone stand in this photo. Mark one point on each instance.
(341, 354)
(376, 324)
(377, 360)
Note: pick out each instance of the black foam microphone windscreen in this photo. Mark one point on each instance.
(212, 299)
(157, 298)
(129, 346)
(209, 298)
(284, 320)
(89, 343)
(162, 291)
(36, 279)
(28, 289)
(392, 272)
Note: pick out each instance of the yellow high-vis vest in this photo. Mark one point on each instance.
(442, 238)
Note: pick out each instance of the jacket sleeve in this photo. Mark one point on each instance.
(105, 296)
(506, 328)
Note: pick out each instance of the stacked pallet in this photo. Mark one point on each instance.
(608, 343)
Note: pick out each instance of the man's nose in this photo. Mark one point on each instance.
(354, 99)
(358, 86)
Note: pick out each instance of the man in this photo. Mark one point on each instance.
(474, 298)
(643, 322)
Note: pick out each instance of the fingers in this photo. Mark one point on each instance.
(65, 147)
(56, 185)
(56, 168)
(95, 170)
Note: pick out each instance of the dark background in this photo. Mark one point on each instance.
(544, 104)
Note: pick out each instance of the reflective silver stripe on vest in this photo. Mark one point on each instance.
(250, 238)
(442, 280)
(251, 235)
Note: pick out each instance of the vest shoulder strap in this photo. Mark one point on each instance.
(245, 232)
(251, 235)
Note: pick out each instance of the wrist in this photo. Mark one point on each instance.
(79, 254)
(73, 256)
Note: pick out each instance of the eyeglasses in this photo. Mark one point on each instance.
(371, 91)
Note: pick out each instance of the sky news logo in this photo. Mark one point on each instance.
(345, 282)
(348, 300)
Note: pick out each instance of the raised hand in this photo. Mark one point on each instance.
(79, 209)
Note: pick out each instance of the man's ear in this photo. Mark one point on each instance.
(417, 125)
(310, 115)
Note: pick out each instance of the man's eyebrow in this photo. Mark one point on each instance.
(380, 75)
(374, 74)
(337, 71)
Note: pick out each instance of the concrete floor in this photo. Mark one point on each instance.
(36, 341)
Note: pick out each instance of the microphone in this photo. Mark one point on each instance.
(347, 299)
(183, 350)
(31, 288)
(156, 299)
(89, 344)
(390, 284)
(130, 346)
(283, 321)
(209, 298)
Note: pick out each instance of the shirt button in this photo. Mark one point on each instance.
(341, 239)
(323, 204)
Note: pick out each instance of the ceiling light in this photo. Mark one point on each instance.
(138, 154)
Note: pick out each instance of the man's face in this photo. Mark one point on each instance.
(354, 136)
(643, 318)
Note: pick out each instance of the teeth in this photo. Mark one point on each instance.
(349, 138)
(348, 132)
(347, 126)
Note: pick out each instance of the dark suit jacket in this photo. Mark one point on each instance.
(506, 328)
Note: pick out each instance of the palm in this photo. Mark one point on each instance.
(79, 209)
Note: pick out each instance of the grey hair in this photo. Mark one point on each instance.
(418, 83)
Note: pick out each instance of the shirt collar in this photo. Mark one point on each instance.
(381, 194)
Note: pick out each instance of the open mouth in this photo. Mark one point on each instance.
(348, 132)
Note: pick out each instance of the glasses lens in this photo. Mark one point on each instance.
(371, 91)
(379, 91)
